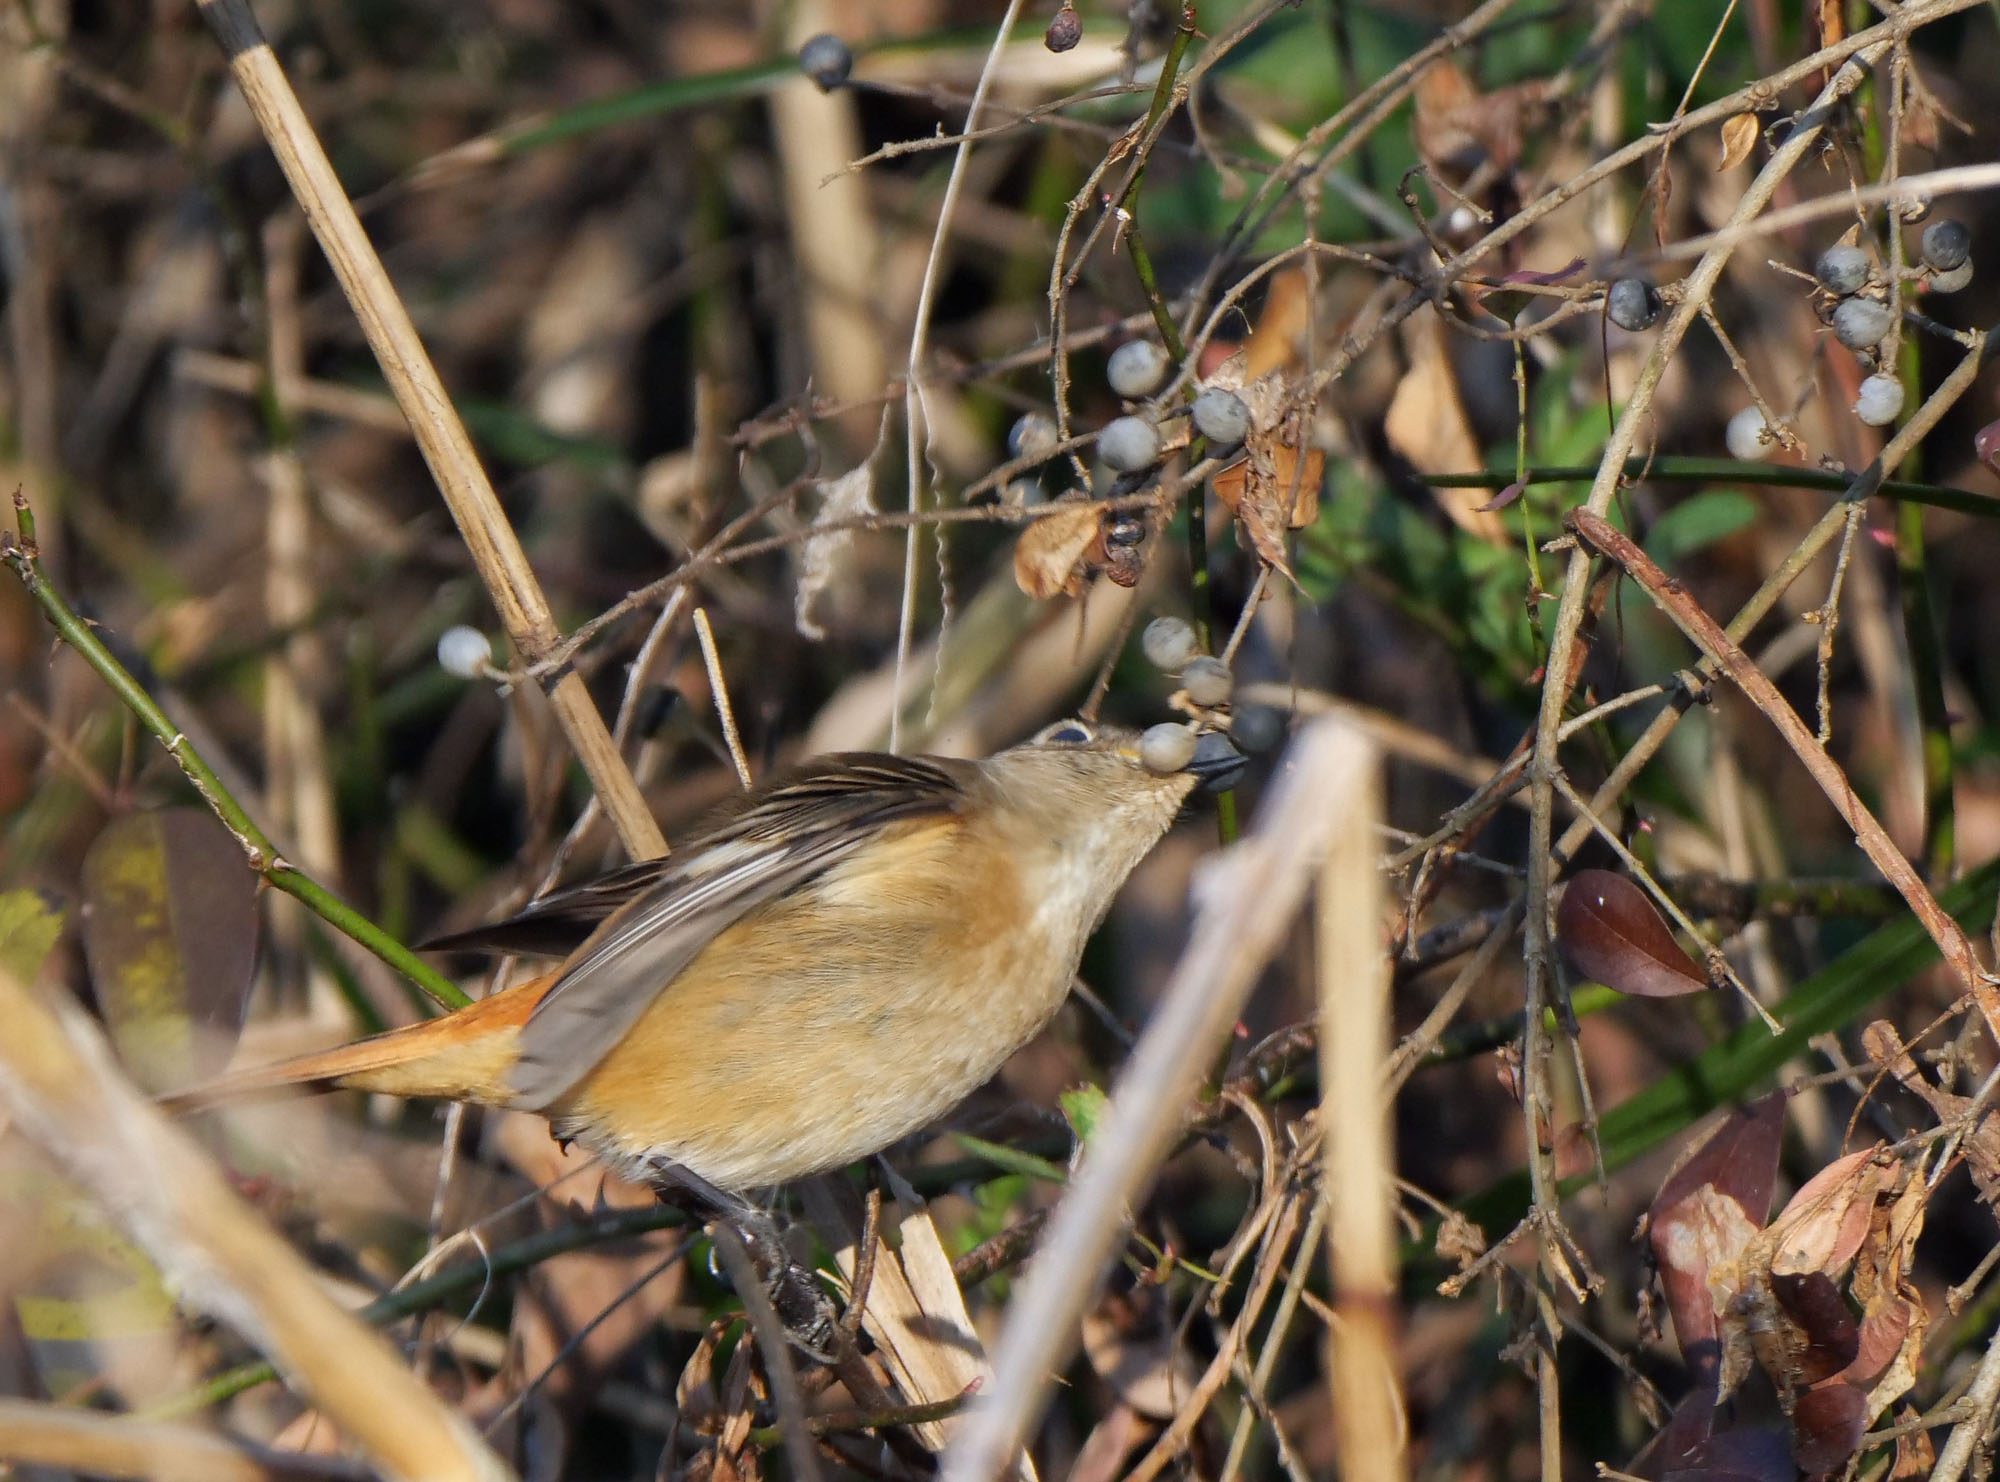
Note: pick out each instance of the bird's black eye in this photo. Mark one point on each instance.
(1067, 733)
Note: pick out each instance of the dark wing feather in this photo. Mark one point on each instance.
(558, 923)
(781, 838)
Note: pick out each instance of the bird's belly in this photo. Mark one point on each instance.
(788, 1048)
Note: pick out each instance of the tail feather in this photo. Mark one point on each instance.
(461, 1056)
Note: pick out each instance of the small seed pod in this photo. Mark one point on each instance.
(1862, 323)
(1169, 643)
(1221, 416)
(1136, 369)
(826, 60)
(1842, 269)
(1946, 245)
(1954, 280)
(1129, 444)
(1632, 304)
(464, 651)
(1165, 748)
(1880, 400)
(1064, 31)
(1208, 682)
(1033, 435)
(1748, 437)
(1257, 728)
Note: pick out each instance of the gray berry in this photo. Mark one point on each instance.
(1257, 728)
(1221, 416)
(1632, 304)
(1136, 369)
(1862, 323)
(1169, 643)
(1033, 435)
(1129, 444)
(1843, 269)
(1946, 244)
(826, 60)
(1207, 681)
(1952, 281)
(1166, 748)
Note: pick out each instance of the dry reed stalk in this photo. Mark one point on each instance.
(440, 435)
(64, 1090)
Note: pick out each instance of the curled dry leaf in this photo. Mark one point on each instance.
(1705, 1217)
(1457, 125)
(827, 552)
(1275, 486)
(1739, 137)
(1827, 1424)
(1049, 556)
(1610, 932)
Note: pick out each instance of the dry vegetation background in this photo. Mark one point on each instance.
(677, 319)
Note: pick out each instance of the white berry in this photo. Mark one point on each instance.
(1129, 444)
(1136, 369)
(464, 651)
(1032, 436)
(1746, 437)
(1843, 269)
(1880, 401)
(1952, 281)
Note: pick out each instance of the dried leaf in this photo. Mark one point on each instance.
(1827, 1424)
(1828, 1336)
(1426, 424)
(1915, 1455)
(1824, 1224)
(1130, 1340)
(1739, 137)
(1745, 1454)
(1611, 933)
(1457, 125)
(1275, 486)
(849, 497)
(170, 931)
(1706, 1216)
(1049, 555)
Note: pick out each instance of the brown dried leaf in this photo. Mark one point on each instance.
(1915, 1455)
(1048, 556)
(1426, 424)
(1456, 124)
(1129, 1339)
(1611, 933)
(1704, 1219)
(1824, 1224)
(1275, 486)
(1827, 1336)
(1739, 137)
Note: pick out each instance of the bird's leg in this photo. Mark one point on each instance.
(801, 1303)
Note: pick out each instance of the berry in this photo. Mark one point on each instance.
(826, 60)
(1064, 31)
(1136, 369)
(1166, 747)
(1632, 303)
(1862, 323)
(1169, 643)
(1843, 269)
(1946, 245)
(464, 651)
(1032, 436)
(1207, 681)
(1952, 281)
(1747, 437)
(1880, 401)
(1257, 728)
(1221, 416)
(1129, 444)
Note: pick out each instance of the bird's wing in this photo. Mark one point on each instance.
(781, 838)
(559, 922)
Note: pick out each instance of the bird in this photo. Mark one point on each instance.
(832, 962)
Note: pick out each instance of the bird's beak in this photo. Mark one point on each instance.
(1217, 764)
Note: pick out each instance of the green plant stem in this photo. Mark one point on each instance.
(23, 557)
(1729, 471)
(1920, 634)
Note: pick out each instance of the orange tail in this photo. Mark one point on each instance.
(461, 1056)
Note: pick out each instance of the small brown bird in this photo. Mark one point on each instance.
(839, 958)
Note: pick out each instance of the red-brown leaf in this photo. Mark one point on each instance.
(1611, 934)
(1827, 1424)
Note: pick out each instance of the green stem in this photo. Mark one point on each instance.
(24, 558)
(1730, 471)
